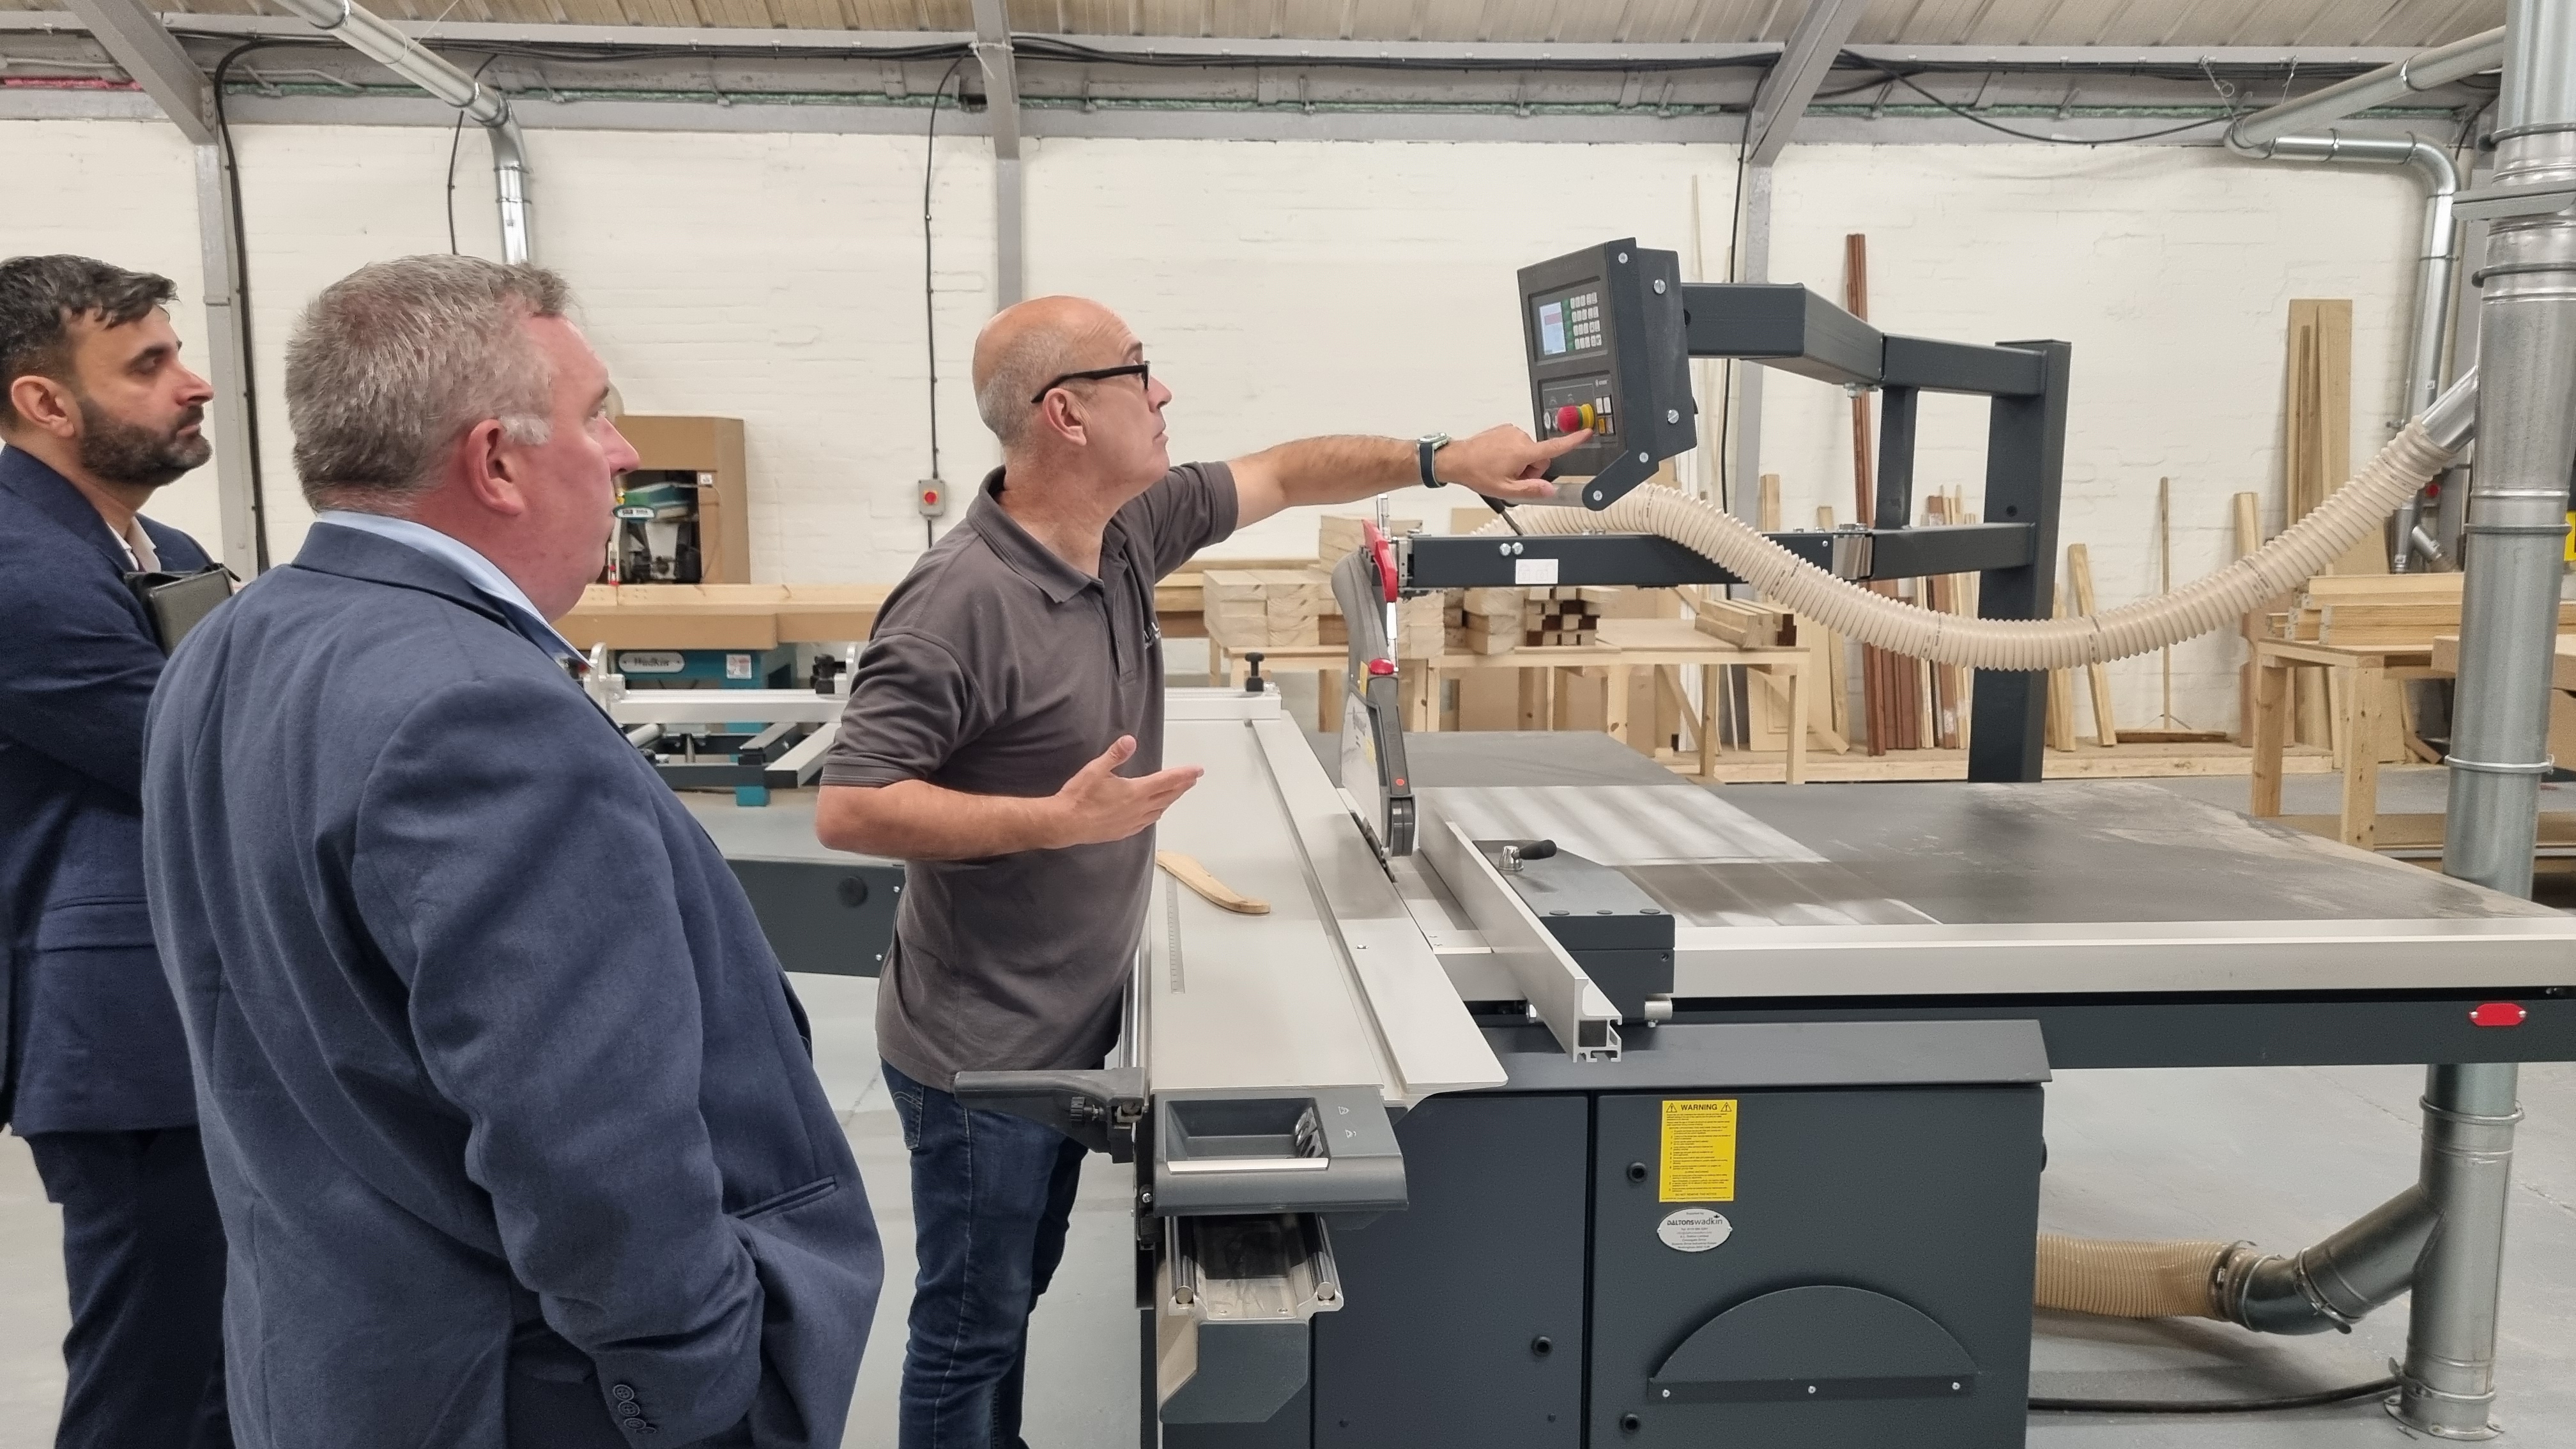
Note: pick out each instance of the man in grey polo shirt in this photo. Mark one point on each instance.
(1004, 738)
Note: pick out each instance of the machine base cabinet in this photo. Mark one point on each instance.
(1795, 1269)
(1866, 1282)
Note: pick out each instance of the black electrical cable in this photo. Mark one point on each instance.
(241, 296)
(1726, 370)
(929, 307)
(2213, 1406)
(1963, 113)
(456, 139)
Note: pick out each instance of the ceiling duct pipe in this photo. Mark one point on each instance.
(2268, 135)
(2251, 134)
(376, 38)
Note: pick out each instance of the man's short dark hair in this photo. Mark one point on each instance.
(39, 298)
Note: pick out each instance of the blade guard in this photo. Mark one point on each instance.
(1367, 584)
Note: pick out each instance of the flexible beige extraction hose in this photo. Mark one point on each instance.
(2132, 1280)
(2409, 460)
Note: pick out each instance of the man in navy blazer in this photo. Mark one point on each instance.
(98, 413)
(509, 1109)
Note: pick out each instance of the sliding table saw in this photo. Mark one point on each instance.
(1718, 1123)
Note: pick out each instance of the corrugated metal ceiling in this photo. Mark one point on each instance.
(1889, 22)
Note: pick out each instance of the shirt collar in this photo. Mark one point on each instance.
(1017, 547)
(487, 579)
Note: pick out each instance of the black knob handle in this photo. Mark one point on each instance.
(1253, 683)
(1537, 849)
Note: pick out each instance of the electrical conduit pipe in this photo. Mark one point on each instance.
(2417, 453)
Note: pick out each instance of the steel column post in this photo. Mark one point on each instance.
(242, 537)
(1752, 264)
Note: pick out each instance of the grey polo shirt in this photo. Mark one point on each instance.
(999, 669)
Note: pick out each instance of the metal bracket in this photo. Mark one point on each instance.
(1100, 1108)
(2511, 203)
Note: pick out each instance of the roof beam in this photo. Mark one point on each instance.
(135, 38)
(1792, 83)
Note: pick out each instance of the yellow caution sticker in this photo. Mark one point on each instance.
(1699, 1151)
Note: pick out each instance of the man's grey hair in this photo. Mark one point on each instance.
(396, 361)
(1036, 357)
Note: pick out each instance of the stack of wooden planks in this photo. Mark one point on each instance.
(1496, 621)
(1430, 624)
(1746, 624)
(2379, 611)
(1256, 608)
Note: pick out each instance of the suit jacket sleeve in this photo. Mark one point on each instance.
(78, 669)
(509, 860)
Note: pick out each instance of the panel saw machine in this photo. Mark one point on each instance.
(1559, 1102)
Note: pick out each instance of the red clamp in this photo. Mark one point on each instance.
(1384, 549)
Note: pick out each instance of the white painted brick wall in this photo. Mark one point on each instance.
(1285, 289)
(127, 193)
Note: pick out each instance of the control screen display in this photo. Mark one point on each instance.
(1569, 322)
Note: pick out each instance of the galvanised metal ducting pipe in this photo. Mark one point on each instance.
(2437, 67)
(2274, 135)
(2436, 255)
(373, 36)
(2511, 544)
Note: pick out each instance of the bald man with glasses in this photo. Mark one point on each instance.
(1004, 738)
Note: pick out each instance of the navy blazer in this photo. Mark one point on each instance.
(92, 1041)
(503, 1092)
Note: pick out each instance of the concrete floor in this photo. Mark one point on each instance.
(2280, 1156)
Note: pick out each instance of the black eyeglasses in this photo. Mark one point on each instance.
(1141, 371)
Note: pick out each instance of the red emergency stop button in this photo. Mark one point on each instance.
(1380, 668)
(2498, 1013)
(1569, 418)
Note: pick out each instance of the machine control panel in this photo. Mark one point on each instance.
(1605, 342)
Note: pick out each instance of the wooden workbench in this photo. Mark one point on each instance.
(2358, 671)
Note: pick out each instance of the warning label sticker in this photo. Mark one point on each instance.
(1699, 1151)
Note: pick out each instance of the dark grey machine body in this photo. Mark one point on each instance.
(1535, 1219)
(1874, 1286)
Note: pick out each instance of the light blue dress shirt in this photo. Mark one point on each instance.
(479, 571)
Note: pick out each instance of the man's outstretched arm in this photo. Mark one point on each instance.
(1500, 462)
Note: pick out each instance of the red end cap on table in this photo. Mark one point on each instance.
(2499, 1013)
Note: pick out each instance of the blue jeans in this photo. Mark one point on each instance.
(991, 1197)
